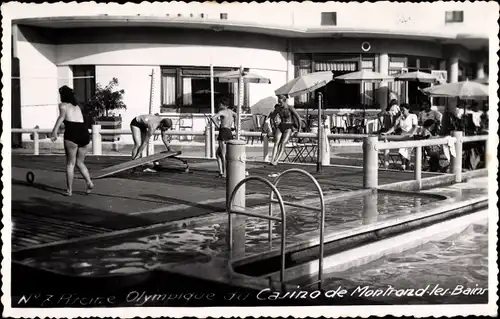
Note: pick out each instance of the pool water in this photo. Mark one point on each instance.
(143, 253)
(453, 264)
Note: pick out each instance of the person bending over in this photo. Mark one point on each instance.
(143, 127)
(76, 138)
(227, 118)
(288, 116)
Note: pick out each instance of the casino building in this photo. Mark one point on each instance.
(279, 43)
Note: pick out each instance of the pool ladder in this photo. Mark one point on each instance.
(282, 219)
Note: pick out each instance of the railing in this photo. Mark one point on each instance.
(242, 211)
(235, 204)
(372, 145)
(321, 211)
(97, 132)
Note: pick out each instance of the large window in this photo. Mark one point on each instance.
(336, 94)
(84, 82)
(398, 65)
(187, 89)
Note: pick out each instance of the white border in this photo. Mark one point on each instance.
(486, 15)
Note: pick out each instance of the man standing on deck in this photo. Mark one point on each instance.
(227, 118)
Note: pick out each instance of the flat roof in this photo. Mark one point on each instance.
(472, 41)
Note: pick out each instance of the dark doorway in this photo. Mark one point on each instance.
(337, 94)
(84, 87)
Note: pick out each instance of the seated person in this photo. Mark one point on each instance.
(434, 151)
(428, 114)
(406, 125)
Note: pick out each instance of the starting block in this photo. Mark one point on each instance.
(138, 162)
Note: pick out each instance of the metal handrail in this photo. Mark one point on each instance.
(229, 208)
(321, 210)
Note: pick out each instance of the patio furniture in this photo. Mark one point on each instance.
(301, 150)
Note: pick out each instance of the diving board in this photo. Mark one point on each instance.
(137, 162)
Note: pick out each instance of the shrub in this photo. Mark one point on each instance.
(105, 99)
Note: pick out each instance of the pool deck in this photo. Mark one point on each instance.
(41, 214)
(134, 202)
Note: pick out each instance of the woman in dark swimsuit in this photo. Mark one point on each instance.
(286, 115)
(76, 138)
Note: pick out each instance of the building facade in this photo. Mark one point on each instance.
(178, 48)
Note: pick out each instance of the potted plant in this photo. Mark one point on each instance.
(102, 105)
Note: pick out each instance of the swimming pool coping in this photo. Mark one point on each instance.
(362, 255)
(332, 233)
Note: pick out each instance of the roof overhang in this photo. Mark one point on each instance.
(475, 40)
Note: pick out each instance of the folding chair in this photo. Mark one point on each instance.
(248, 124)
(301, 150)
(392, 158)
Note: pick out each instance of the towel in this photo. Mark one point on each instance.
(449, 149)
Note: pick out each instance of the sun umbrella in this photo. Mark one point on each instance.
(484, 81)
(363, 76)
(465, 90)
(417, 76)
(233, 76)
(264, 106)
(305, 84)
(240, 76)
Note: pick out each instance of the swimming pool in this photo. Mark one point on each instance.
(143, 253)
(453, 270)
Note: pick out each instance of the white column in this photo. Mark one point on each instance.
(383, 91)
(96, 140)
(290, 68)
(480, 70)
(453, 71)
(370, 162)
(452, 78)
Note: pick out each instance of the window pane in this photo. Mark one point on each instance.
(168, 88)
(187, 94)
(84, 87)
(328, 18)
(194, 85)
(449, 16)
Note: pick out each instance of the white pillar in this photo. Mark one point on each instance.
(480, 70)
(453, 72)
(383, 91)
(418, 166)
(36, 143)
(207, 141)
(456, 162)
(235, 171)
(96, 140)
(325, 147)
(370, 162)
